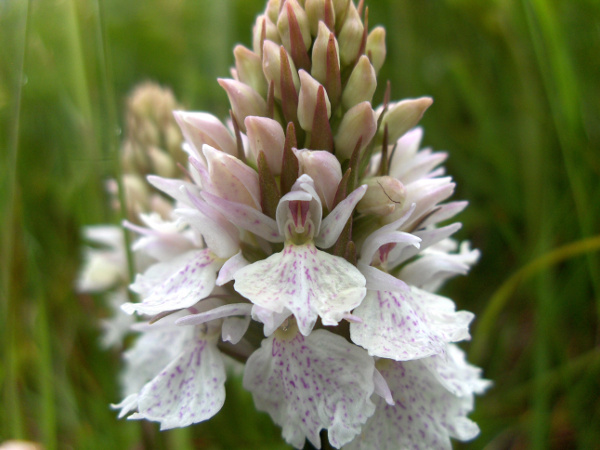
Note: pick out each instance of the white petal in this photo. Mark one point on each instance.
(153, 350)
(425, 415)
(428, 237)
(234, 328)
(376, 240)
(175, 284)
(408, 325)
(310, 383)
(336, 220)
(172, 187)
(456, 374)
(235, 309)
(231, 266)
(271, 320)
(381, 281)
(305, 280)
(246, 217)
(189, 390)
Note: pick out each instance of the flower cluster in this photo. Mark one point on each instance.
(306, 239)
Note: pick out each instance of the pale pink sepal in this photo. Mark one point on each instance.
(246, 217)
(201, 128)
(172, 187)
(334, 223)
(381, 388)
(308, 282)
(271, 320)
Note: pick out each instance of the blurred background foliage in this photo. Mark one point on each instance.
(517, 105)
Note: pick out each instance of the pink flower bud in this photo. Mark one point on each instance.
(308, 100)
(351, 36)
(272, 67)
(320, 11)
(244, 100)
(283, 24)
(202, 128)
(319, 54)
(230, 178)
(266, 135)
(270, 34)
(249, 69)
(375, 48)
(361, 84)
(383, 196)
(359, 122)
(325, 170)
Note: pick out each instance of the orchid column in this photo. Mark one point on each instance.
(306, 241)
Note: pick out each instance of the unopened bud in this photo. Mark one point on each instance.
(358, 123)
(284, 24)
(270, 34)
(266, 135)
(383, 196)
(361, 84)
(320, 11)
(202, 128)
(375, 48)
(161, 163)
(249, 69)
(325, 170)
(231, 179)
(403, 116)
(272, 9)
(351, 36)
(308, 100)
(319, 54)
(340, 7)
(272, 67)
(244, 100)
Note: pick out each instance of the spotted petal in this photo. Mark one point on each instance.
(310, 383)
(408, 325)
(425, 415)
(305, 280)
(189, 390)
(175, 284)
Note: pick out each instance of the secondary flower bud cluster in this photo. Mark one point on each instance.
(306, 241)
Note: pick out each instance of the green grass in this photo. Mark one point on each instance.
(516, 86)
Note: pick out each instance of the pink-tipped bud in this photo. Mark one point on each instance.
(319, 54)
(244, 100)
(358, 123)
(284, 25)
(375, 48)
(272, 67)
(264, 30)
(351, 36)
(361, 84)
(308, 100)
(383, 196)
(403, 116)
(231, 179)
(266, 135)
(325, 170)
(202, 128)
(248, 66)
(320, 11)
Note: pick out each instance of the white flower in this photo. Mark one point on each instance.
(301, 279)
(432, 399)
